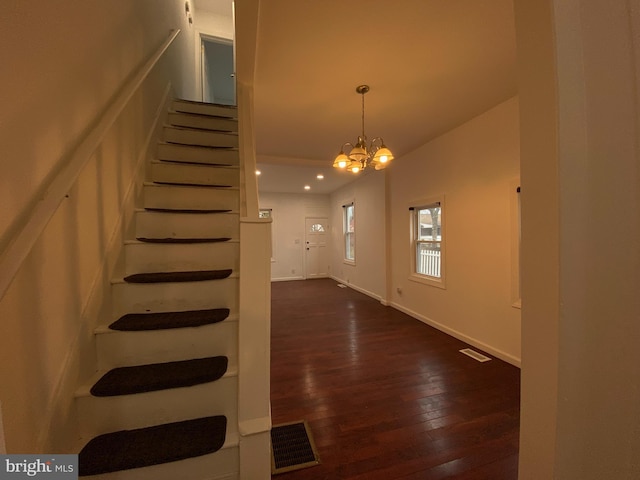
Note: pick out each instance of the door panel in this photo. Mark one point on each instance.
(316, 256)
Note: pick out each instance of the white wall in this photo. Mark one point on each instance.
(368, 274)
(289, 211)
(64, 61)
(579, 90)
(214, 25)
(474, 166)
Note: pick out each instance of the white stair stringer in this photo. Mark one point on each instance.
(186, 225)
(180, 257)
(174, 197)
(123, 348)
(191, 174)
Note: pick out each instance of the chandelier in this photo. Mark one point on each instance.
(361, 155)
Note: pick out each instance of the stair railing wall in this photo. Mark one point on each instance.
(55, 270)
(254, 407)
(18, 248)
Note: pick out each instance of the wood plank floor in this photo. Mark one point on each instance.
(386, 396)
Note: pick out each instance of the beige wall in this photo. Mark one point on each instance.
(475, 167)
(63, 62)
(368, 274)
(288, 230)
(579, 89)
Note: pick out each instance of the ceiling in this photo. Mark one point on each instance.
(431, 65)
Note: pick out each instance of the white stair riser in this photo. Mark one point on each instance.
(174, 297)
(204, 109)
(199, 137)
(186, 225)
(99, 415)
(194, 198)
(120, 349)
(221, 465)
(189, 153)
(194, 174)
(163, 257)
(203, 121)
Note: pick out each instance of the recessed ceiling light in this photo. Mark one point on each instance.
(319, 176)
(258, 172)
(307, 187)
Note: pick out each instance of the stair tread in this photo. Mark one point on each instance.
(187, 210)
(182, 185)
(210, 147)
(169, 320)
(205, 115)
(127, 449)
(189, 276)
(184, 240)
(190, 184)
(197, 129)
(159, 376)
(204, 165)
(194, 163)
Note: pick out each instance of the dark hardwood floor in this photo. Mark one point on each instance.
(386, 396)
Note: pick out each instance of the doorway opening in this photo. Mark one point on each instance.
(217, 70)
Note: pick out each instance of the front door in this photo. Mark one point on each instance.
(316, 257)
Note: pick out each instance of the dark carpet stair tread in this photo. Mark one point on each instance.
(185, 210)
(163, 277)
(183, 240)
(159, 376)
(197, 185)
(155, 445)
(168, 320)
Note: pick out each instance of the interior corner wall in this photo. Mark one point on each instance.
(214, 25)
(474, 166)
(68, 60)
(368, 273)
(289, 211)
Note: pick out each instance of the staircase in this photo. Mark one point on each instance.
(164, 404)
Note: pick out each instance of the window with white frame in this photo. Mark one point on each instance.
(349, 232)
(427, 242)
(268, 213)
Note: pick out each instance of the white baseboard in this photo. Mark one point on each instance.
(361, 290)
(460, 336)
(443, 328)
(287, 279)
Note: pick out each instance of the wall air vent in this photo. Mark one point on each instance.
(475, 355)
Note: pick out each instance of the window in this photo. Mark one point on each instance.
(268, 213)
(264, 213)
(349, 232)
(427, 243)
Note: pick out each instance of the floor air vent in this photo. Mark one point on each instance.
(475, 355)
(292, 447)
